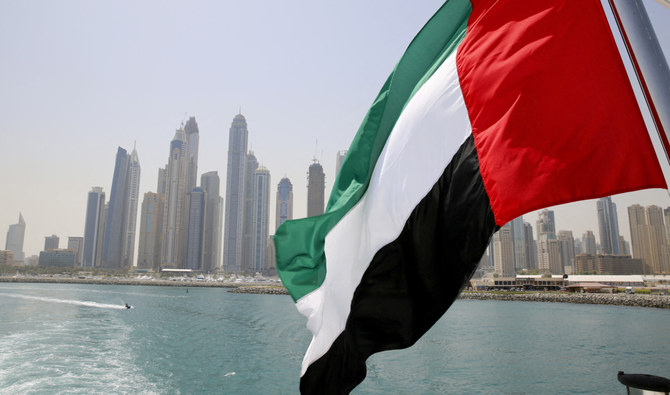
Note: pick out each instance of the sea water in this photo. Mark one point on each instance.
(80, 339)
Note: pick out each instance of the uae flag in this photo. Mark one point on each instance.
(497, 108)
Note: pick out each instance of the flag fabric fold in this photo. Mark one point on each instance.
(496, 108)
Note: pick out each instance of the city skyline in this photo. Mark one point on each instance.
(81, 81)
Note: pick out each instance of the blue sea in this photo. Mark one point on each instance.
(80, 339)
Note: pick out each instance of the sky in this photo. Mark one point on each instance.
(80, 78)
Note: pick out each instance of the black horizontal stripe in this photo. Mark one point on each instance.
(413, 280)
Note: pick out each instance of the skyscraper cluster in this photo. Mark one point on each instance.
(109, 228)
(513, 249)
(180, 224)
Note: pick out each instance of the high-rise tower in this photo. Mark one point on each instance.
(250, 167)
(608, 226)
(93, 227)
(173, 240)
(234, 225)
(151, 218)
(14, 241)
(316, 187)
(260, 220)
(119, 237)
(211, 260)
(196, 228)
(284, 209)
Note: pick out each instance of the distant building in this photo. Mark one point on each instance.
(151, 219)
(211, 260)
(51, 242)
(6, 257)
(607, 264)
(589, 243)
(93, 227)
(548, 246)
(248, 235)
(59, 257)
(175, 209)
(118, 247)
(339, 159)
(196, 229)
(234, 199)
(530, 245)
(608, 226)
(567, 246)
(76, 244)
(519, 239)
(14, 241)
(648, 238)
(503, 250)
(284, 209)
(260, 220)
(316, 187)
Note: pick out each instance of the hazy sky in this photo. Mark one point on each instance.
(80, 78)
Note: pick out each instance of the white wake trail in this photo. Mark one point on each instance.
(67, 301)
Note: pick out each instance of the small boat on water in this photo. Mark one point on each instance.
(128, 306)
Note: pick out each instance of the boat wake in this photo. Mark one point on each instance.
(67, 301)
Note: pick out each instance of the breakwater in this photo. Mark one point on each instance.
(618, 299)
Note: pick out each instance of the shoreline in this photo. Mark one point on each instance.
(616, 299)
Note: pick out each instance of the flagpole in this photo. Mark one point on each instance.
(651, 67)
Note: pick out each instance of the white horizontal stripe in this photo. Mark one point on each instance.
(425, 138)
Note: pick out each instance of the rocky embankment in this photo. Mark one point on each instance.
(259, 289)
(618, 299)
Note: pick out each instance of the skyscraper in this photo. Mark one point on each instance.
(192, 146)
(261, 220)
(51, 242)
(589, 243)
(519, 240)
(339, 159)
(548, 247)
(14, 241)
(608, 226)
(151, 218)
(248, 235)
(76, 244)
(119, 237)
(567, 246)
(648, 238)
(211, 260)
(93, 227)
(316, 186)
(196, 228)
(530, 245)
(173, 240)
(234, 200)
(284, 209)
(503, 251)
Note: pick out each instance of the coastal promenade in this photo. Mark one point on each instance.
(269, 288)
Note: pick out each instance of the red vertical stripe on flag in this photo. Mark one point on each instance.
(553, 114)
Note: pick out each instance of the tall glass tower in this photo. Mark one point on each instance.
(119, 236)
(93, 227)
(234, 200)
(608, 225)
(196, 228)
(260, 219)
(284, 209)
(211, 260)
(248, 219)
(174, 211)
